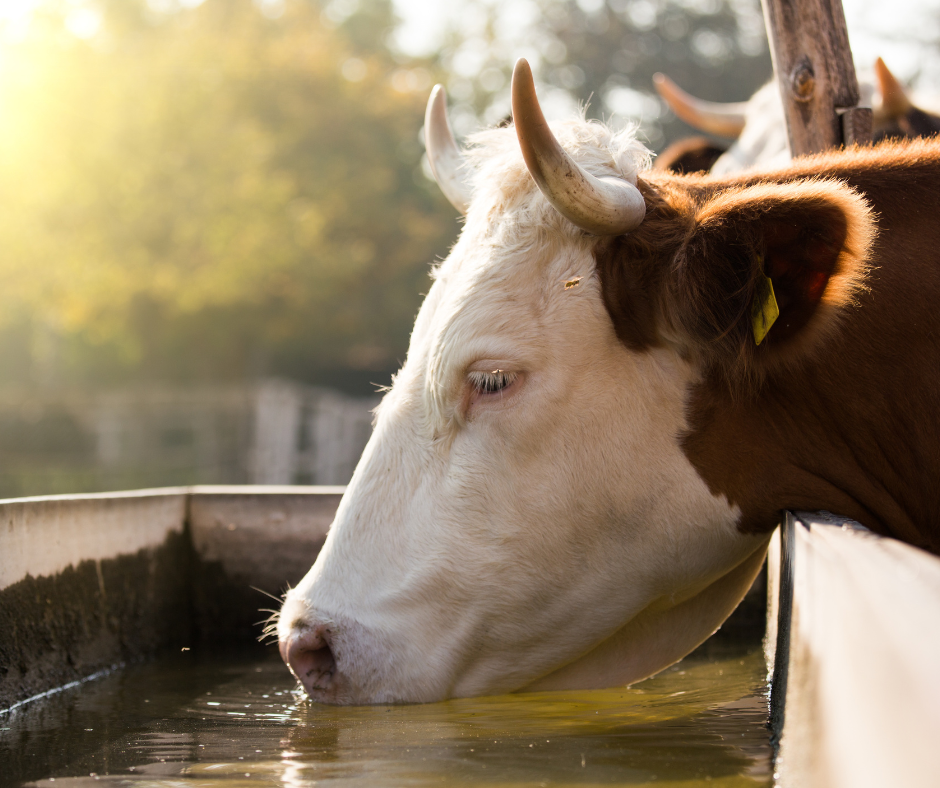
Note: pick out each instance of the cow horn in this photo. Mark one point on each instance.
(894, 100)
(725, 120)
(444, 156)
(603, 206)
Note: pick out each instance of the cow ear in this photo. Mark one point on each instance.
(766, 271)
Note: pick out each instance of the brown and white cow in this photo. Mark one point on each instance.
(759, 130)
(573, 479)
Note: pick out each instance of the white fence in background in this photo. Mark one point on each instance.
(271, 432)
(307, 434)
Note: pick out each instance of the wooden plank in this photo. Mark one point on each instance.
(809, 45)
(862, 692)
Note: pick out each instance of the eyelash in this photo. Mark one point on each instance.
(491, 382)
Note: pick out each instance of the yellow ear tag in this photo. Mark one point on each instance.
(764, 309)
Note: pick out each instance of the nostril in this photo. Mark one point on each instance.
(310, 658)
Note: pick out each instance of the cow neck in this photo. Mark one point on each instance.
(854, 429)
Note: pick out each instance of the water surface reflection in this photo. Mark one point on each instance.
(182, 722)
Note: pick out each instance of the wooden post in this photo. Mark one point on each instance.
(809, 45)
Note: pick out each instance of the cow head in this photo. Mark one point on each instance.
(525, 515)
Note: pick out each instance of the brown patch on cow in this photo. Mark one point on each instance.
(631, 268)
(844, 414)
(689, 275)
(692, 154)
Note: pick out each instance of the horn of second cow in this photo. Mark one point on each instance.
(894, 101)
(724, 120)
(603, 206)
(444, 155)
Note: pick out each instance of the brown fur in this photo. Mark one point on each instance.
(839, 407)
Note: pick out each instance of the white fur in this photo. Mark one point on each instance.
(763, 143)
(483, 545)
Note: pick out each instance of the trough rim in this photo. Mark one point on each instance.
(188, 490)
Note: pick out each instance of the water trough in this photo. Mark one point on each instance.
(96, 581)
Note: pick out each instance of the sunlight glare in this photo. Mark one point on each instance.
(16, 10)
(83, 22)
(15, 16)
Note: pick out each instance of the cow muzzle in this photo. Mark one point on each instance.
(309, 655)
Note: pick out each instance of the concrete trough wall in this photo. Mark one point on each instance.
(89, 581)
(248, 542)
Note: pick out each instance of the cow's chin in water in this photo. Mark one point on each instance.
(660, 635)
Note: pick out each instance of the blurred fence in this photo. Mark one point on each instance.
(272, 432)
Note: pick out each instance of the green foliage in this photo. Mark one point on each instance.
(203, 194)
(224, 189)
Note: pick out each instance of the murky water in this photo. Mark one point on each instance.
(188, 722)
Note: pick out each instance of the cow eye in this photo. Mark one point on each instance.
(491, 382)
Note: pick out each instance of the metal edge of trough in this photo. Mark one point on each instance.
(855, 699)
(91, 581)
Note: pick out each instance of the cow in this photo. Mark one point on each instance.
(759, 128)
(616, 383)
(690, 154)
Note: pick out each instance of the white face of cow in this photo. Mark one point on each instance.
(523, 515)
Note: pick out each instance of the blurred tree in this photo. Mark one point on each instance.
(605, 52)
(211, 191)
(219, 189)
